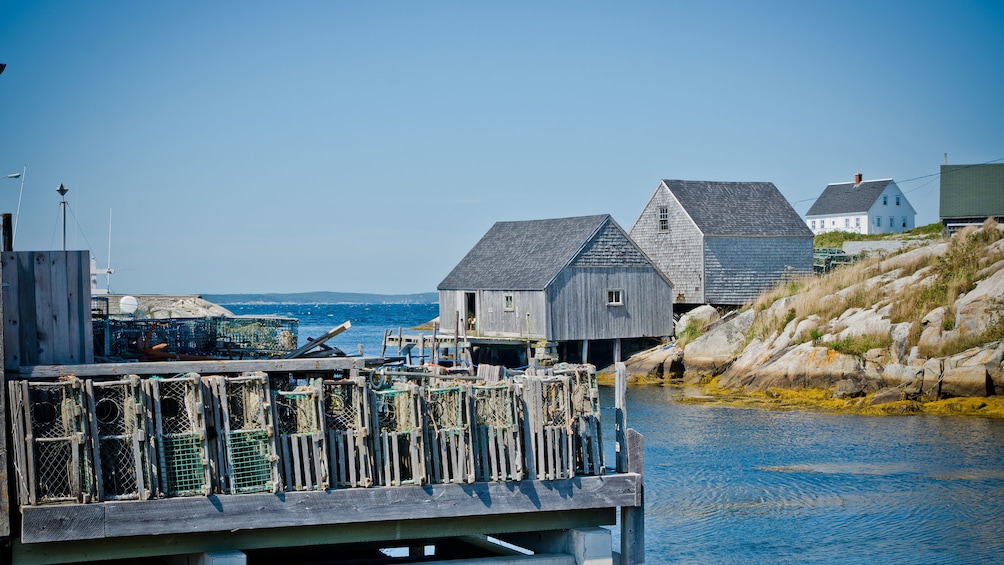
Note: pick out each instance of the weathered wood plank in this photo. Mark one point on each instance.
(166, 368)
(221, 513)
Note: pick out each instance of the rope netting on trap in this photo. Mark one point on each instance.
(400, 450)
(298, 420)
(450, 456)
(244, 442)
(346, 412)
(498, 442)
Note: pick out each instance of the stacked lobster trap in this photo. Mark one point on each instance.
(78, 441)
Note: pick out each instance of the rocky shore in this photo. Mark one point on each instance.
(911, 329)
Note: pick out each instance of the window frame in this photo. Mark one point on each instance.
(508, 302)
(615, 297)
(663, 219)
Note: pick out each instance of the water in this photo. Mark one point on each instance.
(731, 485)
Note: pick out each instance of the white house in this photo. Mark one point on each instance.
(871, 206)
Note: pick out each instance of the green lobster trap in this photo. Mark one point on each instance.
(118, 431)
(52, 461)
(178, 447)
(347, 424)
(244, 445)
(498, 443)
(450, 455)
(548, 428)
(397, 418)
(301, 437)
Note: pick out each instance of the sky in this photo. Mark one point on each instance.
(251, 147)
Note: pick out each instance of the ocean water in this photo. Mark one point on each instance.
(733, 485)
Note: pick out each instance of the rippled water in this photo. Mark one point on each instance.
(731, 485)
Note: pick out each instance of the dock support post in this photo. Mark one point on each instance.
(630, 454)
(589, 546)
(585, 351)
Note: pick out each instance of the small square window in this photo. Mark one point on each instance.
(615, 297)
(508, 303)
(663, 218)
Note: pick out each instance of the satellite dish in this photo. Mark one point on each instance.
(128, 304)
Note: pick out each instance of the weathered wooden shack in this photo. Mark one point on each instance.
(567, 281)
(722, 243)
(970, 194)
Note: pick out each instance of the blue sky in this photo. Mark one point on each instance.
(366, 146)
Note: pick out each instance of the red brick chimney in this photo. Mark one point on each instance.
(857, 179)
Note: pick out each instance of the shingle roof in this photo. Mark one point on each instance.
(522, 255)
(745, 209)
(972, 190)
(846, 198)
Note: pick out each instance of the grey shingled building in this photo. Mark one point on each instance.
(722, 243)
(970, 194)
(570, 281)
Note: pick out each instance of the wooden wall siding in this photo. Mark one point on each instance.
(578, 300)
(611, 248)
(677, 252)
(739, 269)
(492, 319)
(47, 308)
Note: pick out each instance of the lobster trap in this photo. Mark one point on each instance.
(548, 414)
(587, 437)
(178, 436)
(118, 432)
(498, 444)
(300, 437)
(52, 459)
(253, 337)
(397, 419)
(244, 445)
(347, 425)
(450, 455)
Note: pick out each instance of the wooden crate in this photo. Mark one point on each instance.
(115, 412)
(497, 439)
(300, 437)
(347, 424)
(587, 433)
(245, 452)
(449, 440)
(52, 458)
(397, 419)
(178, 449)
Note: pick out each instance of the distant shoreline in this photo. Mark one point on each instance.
(323, 297)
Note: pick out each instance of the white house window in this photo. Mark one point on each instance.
(885, 200)
(812, 224)
(847, 222)
(615, 297)
(508, 304)
(892, 222)
(857, 222)
(663, 218)
(878, 221)
(904, 221)
(897, 200)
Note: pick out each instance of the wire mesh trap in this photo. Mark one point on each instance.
(498, 442)
(118, 430)
(301, 437)
(179, 449)
(244, 446)
(397, 418)
(347, 424)
(50, 439)
(450, 455)
(586, 431)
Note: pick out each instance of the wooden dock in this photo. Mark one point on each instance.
(263, 474)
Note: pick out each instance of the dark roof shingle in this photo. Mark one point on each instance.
(744, 209)
(848, 198)
(522, 255)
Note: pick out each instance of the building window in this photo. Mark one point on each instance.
(663, 218)
(508, 304)
(904, 221)
(847, 222)
(885, 200)
(897, 200)
(615, 297)
(857, 222)
(812, 224)
(878, 221)
(892, 222)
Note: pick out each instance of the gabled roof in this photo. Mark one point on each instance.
(972, 190)
(523, 255)
(848, 198)
(745, 209)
